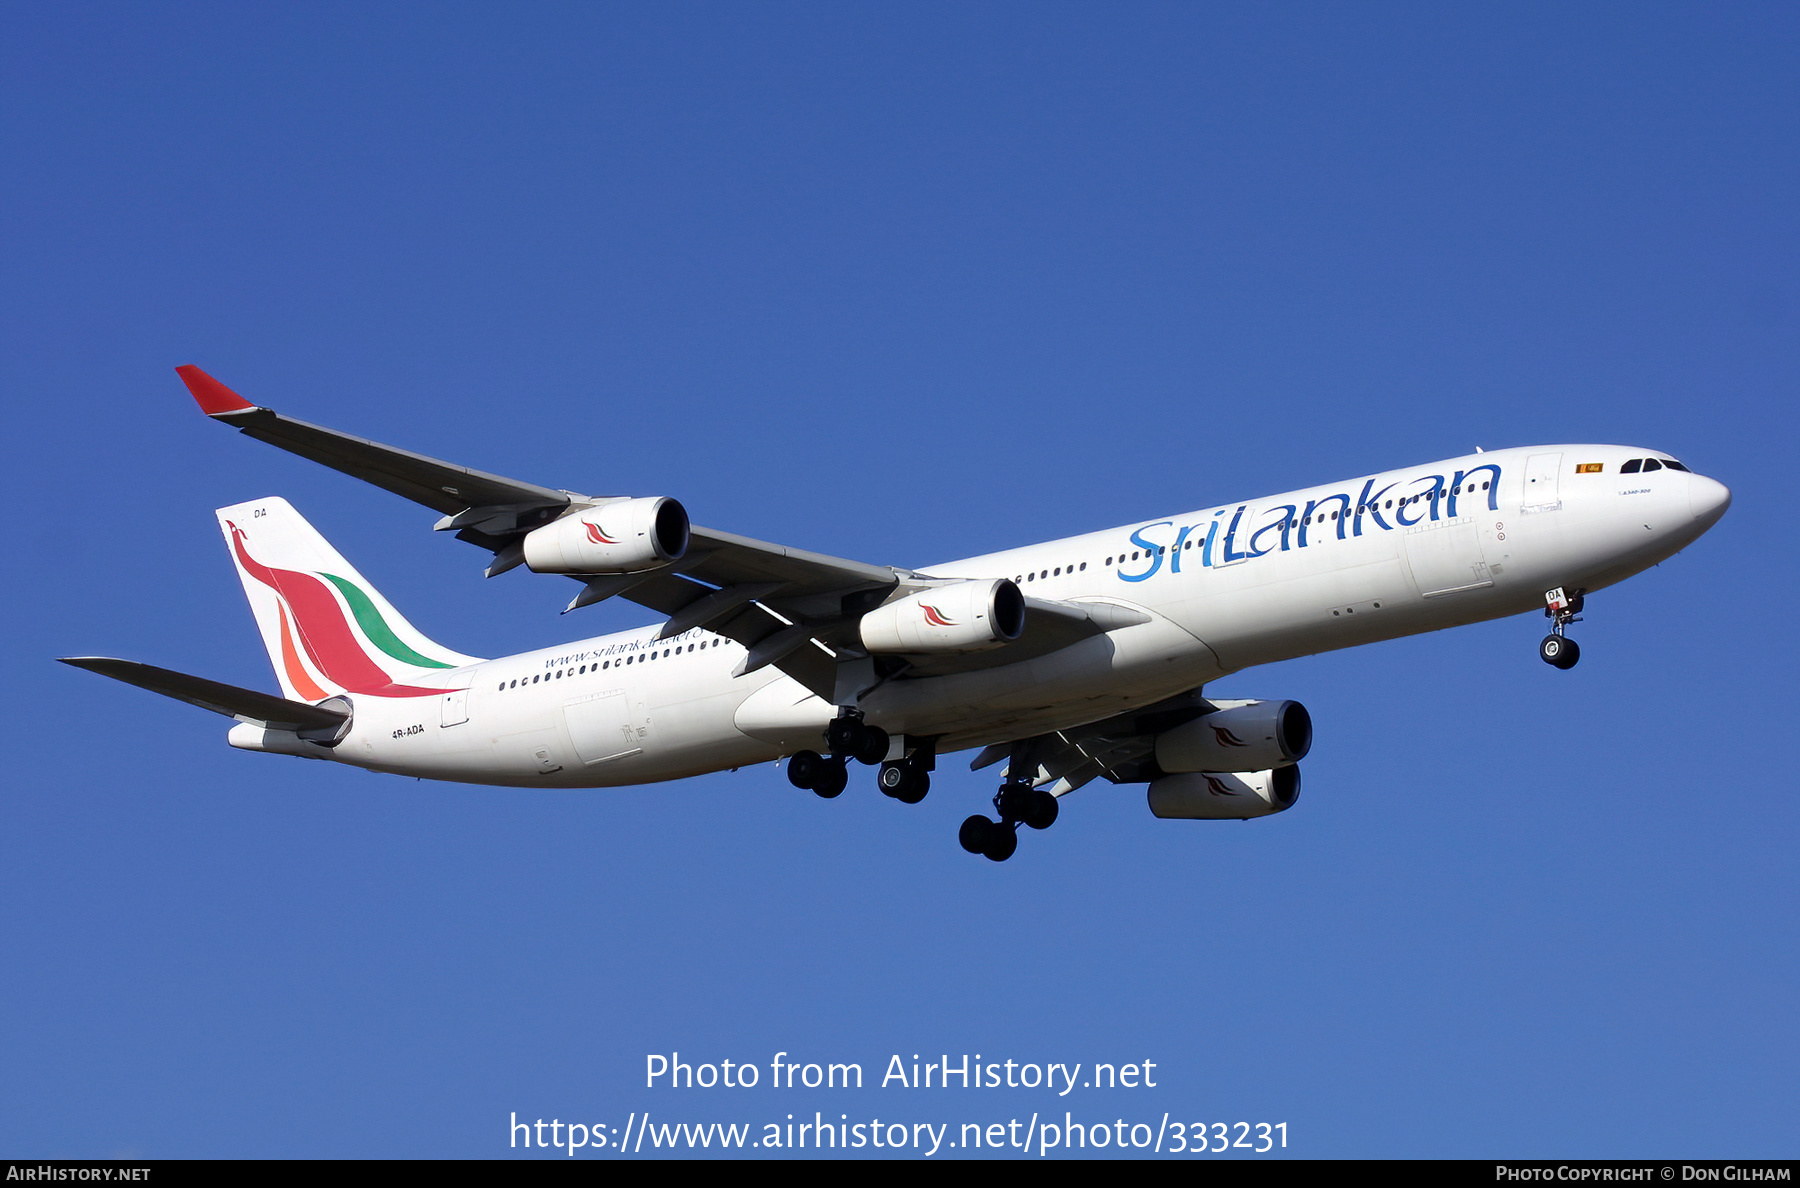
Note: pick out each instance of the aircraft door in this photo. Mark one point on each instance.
(456, 708)
(1542, 475)
(1447, 558)
(602, 726)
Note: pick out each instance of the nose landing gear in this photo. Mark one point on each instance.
(1557, 649)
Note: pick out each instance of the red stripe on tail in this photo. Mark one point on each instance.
(323, 630)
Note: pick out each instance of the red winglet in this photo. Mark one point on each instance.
(214, 397)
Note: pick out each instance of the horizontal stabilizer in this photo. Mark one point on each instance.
(246, 705)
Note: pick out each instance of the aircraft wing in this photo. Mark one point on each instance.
(441, 486)
(788, 607)
(1120, 749)
(246, 705)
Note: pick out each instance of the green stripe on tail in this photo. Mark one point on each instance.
(376, 628)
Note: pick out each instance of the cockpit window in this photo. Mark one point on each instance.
(1651, 464)
(1632, 467)
(1674, 465)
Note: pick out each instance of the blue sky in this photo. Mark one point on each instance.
(898, 283)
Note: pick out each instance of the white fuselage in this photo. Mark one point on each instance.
(1224, 588)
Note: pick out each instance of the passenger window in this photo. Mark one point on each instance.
(1632, 467)
(1084, 566)
(1651, 464)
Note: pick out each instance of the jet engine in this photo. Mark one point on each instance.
(1228, 796)
(619, 537)
(960, 617)
(1248, 736)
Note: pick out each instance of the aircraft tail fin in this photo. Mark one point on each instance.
(327, 630)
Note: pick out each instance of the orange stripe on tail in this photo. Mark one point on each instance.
(297, 675)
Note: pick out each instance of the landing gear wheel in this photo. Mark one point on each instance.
(915, 791)
(1560, 651)
(803, 769)
(1002, 841)
(891, 779)
(1550, 650)
(872, 746)
(831, 778)
(974, 834)
(842, 735)
(903, 780)
(1043, 810)
(1571, 654)
(1014, 802)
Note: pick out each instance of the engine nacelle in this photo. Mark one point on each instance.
(619, 537)
(1247, 737)
(960, 617)
(1224, 796)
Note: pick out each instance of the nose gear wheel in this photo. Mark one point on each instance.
(1562, 609)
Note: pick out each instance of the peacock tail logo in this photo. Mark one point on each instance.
(935, 617)
(309, 615)
(595, 536)
(1218, 786)
(1227, 738)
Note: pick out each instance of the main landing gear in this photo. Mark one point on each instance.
(1561, 609)
(1017, 803)
(906, 779)
(817, 773)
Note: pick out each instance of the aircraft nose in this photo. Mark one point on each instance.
(1707, 498)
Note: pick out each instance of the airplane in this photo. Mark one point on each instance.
(1073, 660)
